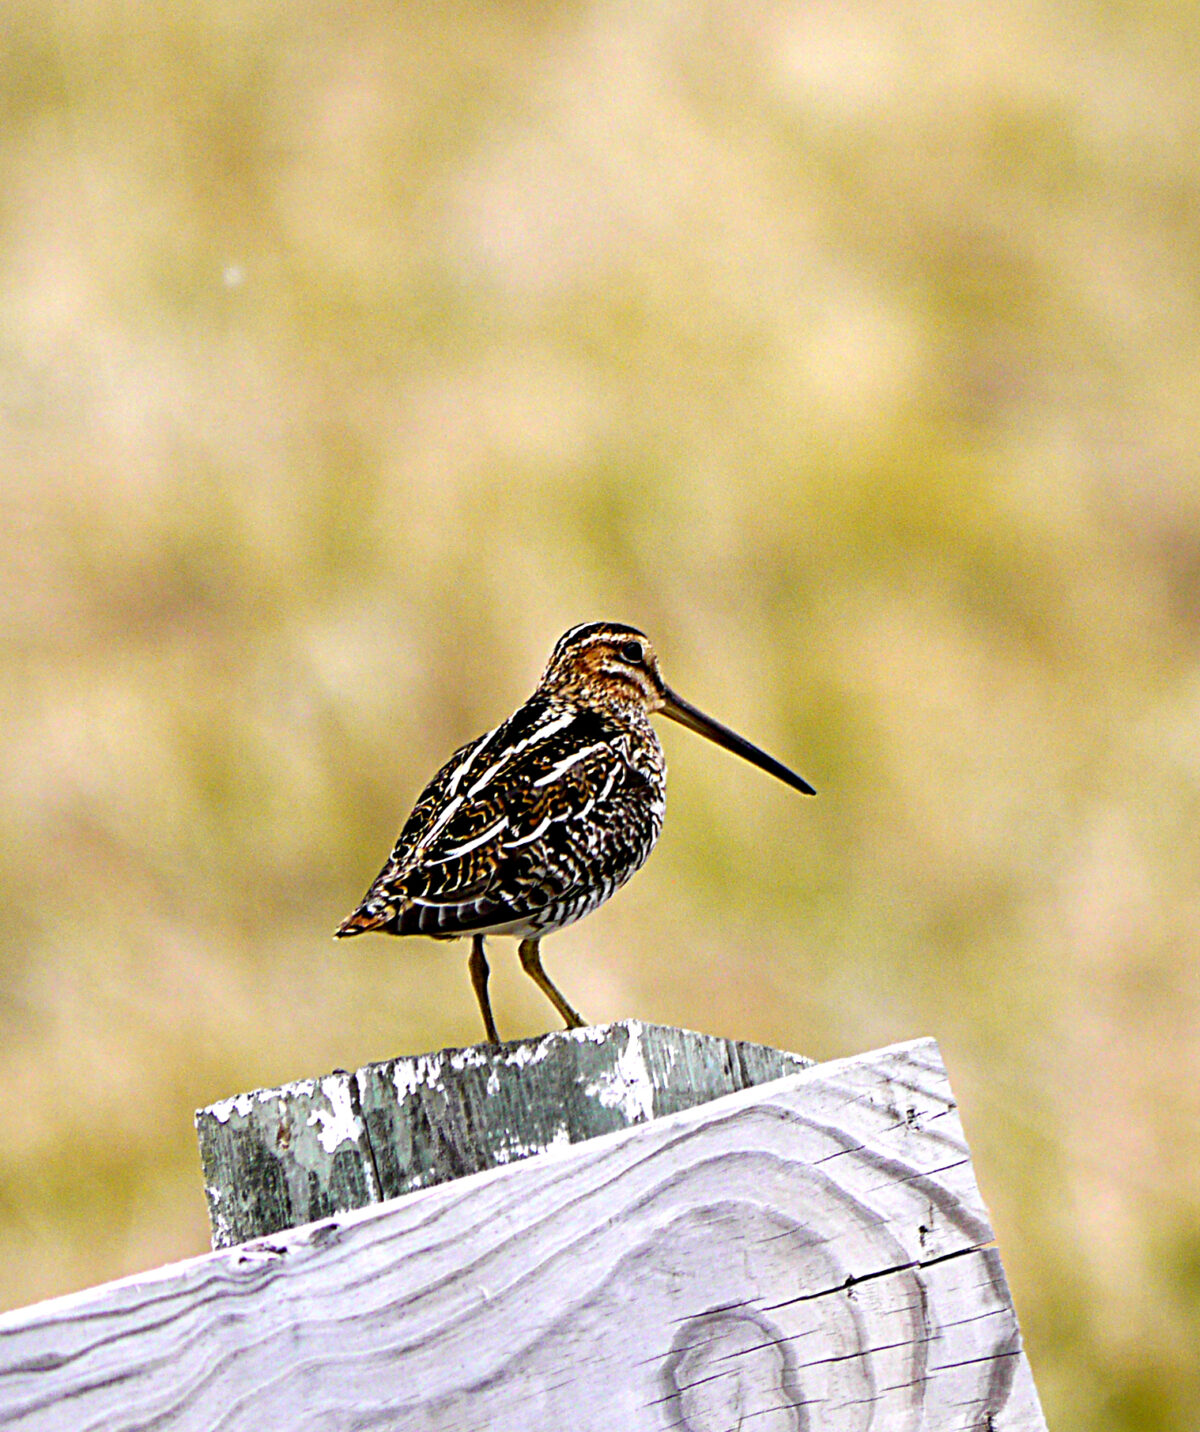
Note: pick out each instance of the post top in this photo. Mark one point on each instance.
(275, 1158)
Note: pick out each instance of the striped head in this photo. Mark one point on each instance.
(609, 667)
(605, 665)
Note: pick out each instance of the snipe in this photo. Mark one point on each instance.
(536, 823)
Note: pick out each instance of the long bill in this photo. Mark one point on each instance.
(687, 715)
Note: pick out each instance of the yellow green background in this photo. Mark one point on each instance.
(350, 352)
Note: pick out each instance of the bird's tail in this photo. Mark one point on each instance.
(372, 914)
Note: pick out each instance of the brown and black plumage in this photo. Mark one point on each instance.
(539, 821)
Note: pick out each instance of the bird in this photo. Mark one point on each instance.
(540, 820)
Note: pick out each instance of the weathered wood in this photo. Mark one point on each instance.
(812, 1253)
(277, 1158)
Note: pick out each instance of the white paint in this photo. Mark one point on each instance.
(628, 1086)
(428, 1071)
(474, 1056)
(525, 1055)
(243, 1104)
(409, 1075)
(339, 1124)
(224, 1109)
(599, 1033)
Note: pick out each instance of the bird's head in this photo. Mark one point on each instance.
(610, 667)
(605, 665)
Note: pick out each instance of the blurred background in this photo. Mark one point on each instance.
(348, 354)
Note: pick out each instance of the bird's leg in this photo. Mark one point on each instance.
(531, 963)
(478, 966)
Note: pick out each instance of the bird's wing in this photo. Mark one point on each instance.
(496, 836)
(381, 906)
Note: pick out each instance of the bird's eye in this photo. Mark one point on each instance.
(633, 652)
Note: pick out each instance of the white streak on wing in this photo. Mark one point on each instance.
(440, 823)
(567, 762)
(465, 764)
(472, 844)
(533, 835)
(608, 785)
(532, 739)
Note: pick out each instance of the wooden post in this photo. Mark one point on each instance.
(277, 1158)
(808, 1253)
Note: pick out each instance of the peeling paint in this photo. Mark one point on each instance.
(628, 1085)
(475, 1056)
(243, 1104)
(524, 1056)
(339, 1124)
(224, 1109)
(601, 1033)
(424, 1071)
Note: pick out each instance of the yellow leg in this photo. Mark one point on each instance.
(531, 963)
(478, 966)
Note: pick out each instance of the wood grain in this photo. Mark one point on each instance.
(809, 1254)
(277, 1158)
